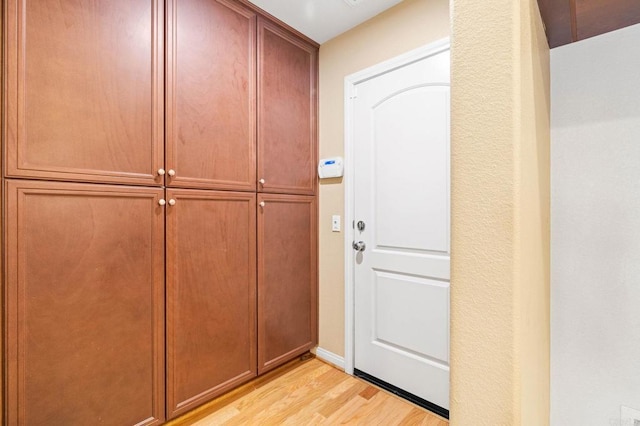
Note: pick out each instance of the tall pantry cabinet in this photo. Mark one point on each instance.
(159, 200)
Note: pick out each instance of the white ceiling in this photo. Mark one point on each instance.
(322, 20)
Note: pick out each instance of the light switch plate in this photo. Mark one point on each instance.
(335, 223)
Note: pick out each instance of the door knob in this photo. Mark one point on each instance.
(160, 172)
(262, 204)
(171, 172)
(162, 202)
(172, 202)
(359, 246)
(261, 181)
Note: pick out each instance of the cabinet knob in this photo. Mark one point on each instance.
(261, 181)
(172, 202)
(162, 202)
(161, 172)
(262, 204)
(171, 172)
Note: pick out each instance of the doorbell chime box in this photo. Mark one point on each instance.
(330, 168)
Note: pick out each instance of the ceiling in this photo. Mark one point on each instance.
(322, 20)
(567, 21)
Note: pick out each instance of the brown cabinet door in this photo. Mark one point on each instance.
(287, 86)
(84, 90)
(84, 304)
(211, 295)
(211, 80)
(287, 278)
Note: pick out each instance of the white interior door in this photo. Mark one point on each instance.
(401, 186)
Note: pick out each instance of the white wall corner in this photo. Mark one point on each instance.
(330, 357)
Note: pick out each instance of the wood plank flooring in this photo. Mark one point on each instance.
(314, 393)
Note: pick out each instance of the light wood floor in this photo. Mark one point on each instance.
(315, 393)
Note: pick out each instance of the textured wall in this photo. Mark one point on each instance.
(595, 296)
(533, 219)
(411, 24)
(500, 208)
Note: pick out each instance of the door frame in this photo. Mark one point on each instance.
(350, 93)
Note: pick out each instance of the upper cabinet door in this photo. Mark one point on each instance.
(84, 90)
(211, 80)
(287, 112)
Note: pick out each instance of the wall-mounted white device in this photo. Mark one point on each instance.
(331, 167)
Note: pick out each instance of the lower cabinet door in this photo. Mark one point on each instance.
(84, 304)
(211, 295)
(287, 278)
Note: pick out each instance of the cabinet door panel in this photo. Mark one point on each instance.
(287, 278)
(211, 295)
(84, 86)
(287, 102)
(85, 304)
(211, 76)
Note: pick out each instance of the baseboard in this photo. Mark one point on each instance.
(330, 357)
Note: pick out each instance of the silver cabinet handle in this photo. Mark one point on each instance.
(172, 202)
(171, 172)
(261, 181)
(262, 204)
(161, 172)
(162, 202)
(359, 246)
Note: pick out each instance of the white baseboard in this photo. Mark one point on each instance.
(330, 357)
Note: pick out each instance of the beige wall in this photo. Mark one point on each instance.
(500, 196)
(411, 24)
(533, 203)
(500, 223)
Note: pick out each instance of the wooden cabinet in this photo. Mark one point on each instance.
(84, 304)
(86, 106)
(287, 115)
(84, 90)
(287, 274)
(211, 295)
(211, 94)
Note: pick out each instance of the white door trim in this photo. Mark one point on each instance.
(350, 83)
